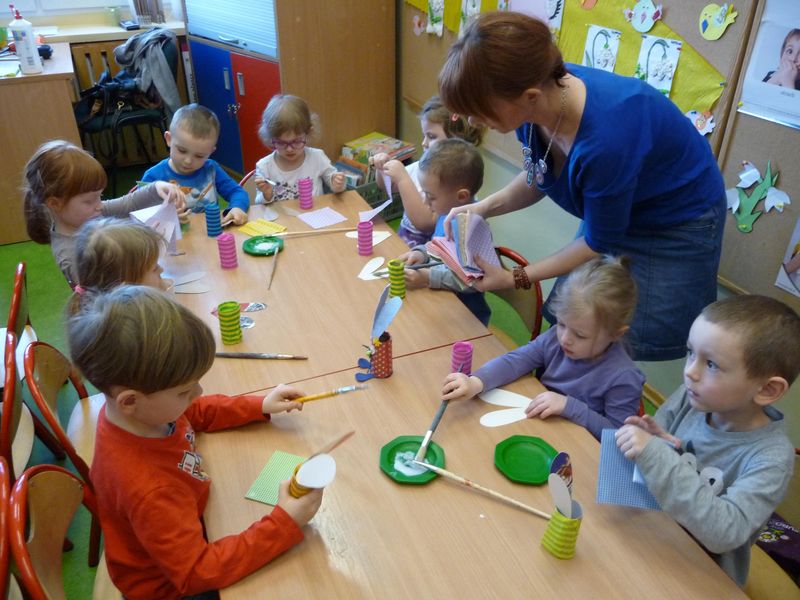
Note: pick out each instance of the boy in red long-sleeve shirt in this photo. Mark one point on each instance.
(146, 354)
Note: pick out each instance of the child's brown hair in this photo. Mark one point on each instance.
(768, 330)
(110, 252)
(285, 113)
(196, 120)
(434, 111)
(456, 163)
(137, 338)
(58, 171)
(604, 287)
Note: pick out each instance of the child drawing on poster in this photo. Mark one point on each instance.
(658, 59)
(789, 272)
(788, 72)
(601, 48)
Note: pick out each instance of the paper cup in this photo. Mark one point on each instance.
(397, 278)
(382, 357)
(561, 534)
(230, 326)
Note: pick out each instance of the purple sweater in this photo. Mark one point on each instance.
(601, 393)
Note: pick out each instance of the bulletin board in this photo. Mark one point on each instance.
(423, 55)
(751, 261)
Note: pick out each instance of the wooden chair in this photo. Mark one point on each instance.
(527, 303)
(248, 182)
(16, 423)
(43, 504)
(19, 321)
(46, 369)
(9, 588)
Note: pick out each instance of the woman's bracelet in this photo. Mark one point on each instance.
(521, 280)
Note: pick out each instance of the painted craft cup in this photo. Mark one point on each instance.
(561, 534)
(213, 220)
(230, 327)
(305, 189)
(397, 278)
(313, 474)
(365, 238)
(462, 358)
(382, 357)
(227, 251)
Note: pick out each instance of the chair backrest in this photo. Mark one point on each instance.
(46, 369)
(527, 303)
(43, 503)
(248, 182)
(12, 407)
(5, 552)
(18, 316)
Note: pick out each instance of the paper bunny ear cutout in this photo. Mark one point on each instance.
(385, 313)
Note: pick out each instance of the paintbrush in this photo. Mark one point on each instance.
(329, 393)
(334, 444)
(264, 355)
(274, 264)
(471, 484)
(434, 424)
(313, 231)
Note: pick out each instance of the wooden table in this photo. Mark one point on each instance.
(374, 538)
(316, 306)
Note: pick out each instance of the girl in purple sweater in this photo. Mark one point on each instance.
(589, 377)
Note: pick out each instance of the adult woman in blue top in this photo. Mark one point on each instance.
(610, 150)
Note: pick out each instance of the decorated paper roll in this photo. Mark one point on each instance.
(382, 357)
(365, 238)
(213, 220)
(397, 278)
(313, 474)
(462, 358)
(304, 188)
(561, 534)
(230, 327)
(227, 251)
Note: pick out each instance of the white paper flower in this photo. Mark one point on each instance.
(776, 199)
(732, 194)
(748, 175)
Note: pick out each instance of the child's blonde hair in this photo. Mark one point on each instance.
(110, 252)
(604, 287)
(768, 331)
(454, 125)
(58, 170)
(285, 114)
(135, 337)
(456, 163)
(198, 121)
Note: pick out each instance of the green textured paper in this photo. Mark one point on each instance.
(279, 468)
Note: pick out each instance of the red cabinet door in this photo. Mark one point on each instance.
(255, 81)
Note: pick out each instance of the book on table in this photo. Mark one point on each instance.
(472, 238)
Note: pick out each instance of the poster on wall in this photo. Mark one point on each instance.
(789, 272)
(771, 88)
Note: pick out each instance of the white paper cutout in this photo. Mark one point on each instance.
(372, 265)
(435, 17)
(602, 46)
(703, 122)
(788, 278)
(162, 218)
(195, 287)
(643, 16)
(322, 217)
(658, 59)
(317, 472)
(368, 215)
(538, 9)
(732, 197)
(500, 397)
(560, 493)
(715, 19)
(748, 175)
(418, 25)
(776, 199)
(377, 236)
(498, 418)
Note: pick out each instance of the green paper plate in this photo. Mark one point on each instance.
(410, 443)
(524, 459)
(263, 245)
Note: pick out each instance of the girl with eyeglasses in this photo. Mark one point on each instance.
(285, 127)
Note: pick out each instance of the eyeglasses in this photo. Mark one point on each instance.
(297, 144)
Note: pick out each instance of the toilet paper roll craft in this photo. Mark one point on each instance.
(379, 351)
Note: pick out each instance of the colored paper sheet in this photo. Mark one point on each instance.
(615, 479)
(368, 215)
(602, 46)
(658, 61)
(322, 217)
(163, 218)
(696, 85)
(279, 468)
(262, 227)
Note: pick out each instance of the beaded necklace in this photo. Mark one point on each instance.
(536, 170)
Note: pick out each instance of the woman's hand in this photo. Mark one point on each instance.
(448, 227)
(494, 277)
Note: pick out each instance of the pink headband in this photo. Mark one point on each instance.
(79, 290)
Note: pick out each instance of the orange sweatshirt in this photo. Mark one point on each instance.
(151, 494)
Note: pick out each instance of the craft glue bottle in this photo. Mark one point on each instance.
(25, 42)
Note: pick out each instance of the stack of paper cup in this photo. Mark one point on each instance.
(397, 278)
(462, 358)
(230, 327)
(227, 251)
(213, 220)
(313, 474)
(561, 534)
(305, 186)
(382, 357)
(365, 238)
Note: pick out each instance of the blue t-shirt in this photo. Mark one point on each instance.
(224, 187)
(637, 163)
